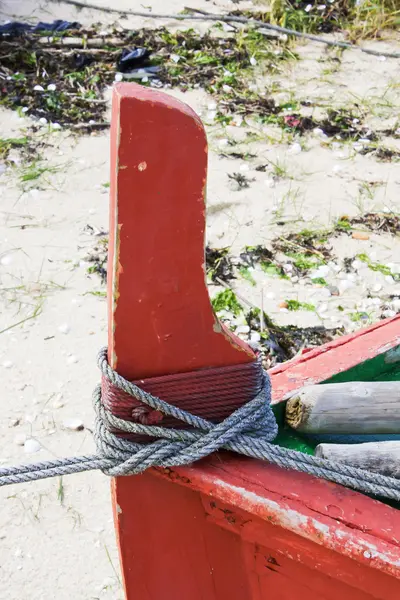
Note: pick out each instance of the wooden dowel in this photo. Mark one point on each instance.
(356, 407)
(380, 457)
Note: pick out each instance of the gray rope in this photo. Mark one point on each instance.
(248, 431)
(228, 19)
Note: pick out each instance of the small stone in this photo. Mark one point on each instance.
(7, 364)
(6, 260)
(270, 183)
(51, 87)
(56, 125)
(377, 287)
(255, 336)
(360, 235)
(64, 328)
(38, 88)
(20, 439)
(74, 424)
(43, 120)
(118, 77)
(325, 291)
(31, 446)
(253, 61)
(175, 58)
(295, 149)
(72, 359)
(344, 285)
(242, 329)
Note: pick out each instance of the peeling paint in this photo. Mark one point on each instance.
(392, 356)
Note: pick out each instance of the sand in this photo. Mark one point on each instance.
(57, 540)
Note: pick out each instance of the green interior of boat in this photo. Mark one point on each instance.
(383, 367)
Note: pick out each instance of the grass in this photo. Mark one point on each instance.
(296, 305)
(7, 144)
(304, 262)
(32, 174)
(273, 270)
(319, 281)
(36, 312)
(359, 317)
(377, 267)
(227, 300)
(246, 274)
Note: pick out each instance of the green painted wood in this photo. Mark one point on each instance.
(379, 368)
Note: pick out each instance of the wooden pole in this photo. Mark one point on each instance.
(380, 457)
(358, 407)
(160, 317)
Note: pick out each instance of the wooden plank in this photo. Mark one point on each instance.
(338, 357)
(380, 457)
(354, 408)
(160, 317)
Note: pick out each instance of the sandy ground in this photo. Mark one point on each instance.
(61, 545)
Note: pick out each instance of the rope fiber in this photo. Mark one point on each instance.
(248, 431)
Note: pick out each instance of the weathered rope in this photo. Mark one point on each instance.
(248, 431)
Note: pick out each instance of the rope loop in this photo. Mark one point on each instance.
(249, 431)
(174, 447)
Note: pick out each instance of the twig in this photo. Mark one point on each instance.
(242, 298)
(228, 19)
(262, 324)
(303, 248)
(95, 125)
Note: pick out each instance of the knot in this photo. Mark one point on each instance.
(169, 446)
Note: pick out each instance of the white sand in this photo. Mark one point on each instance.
(52, 549)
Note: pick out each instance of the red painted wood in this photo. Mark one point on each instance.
(228, 528)
(160, 317)
(335, 357)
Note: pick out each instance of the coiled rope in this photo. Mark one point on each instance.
(248, 431)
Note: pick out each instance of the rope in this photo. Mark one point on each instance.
(248, 431)
(229, 19)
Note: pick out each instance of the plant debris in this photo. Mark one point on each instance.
(219, 265)
(377, 222)
(381, 153)
(241, 180)
(98, 259)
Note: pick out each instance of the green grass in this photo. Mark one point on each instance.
(7, 144)
(296, 305)
(303, 262)
(273, 270)
(319, 281)
(377, 267)
(227, 300)
(246, 274)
